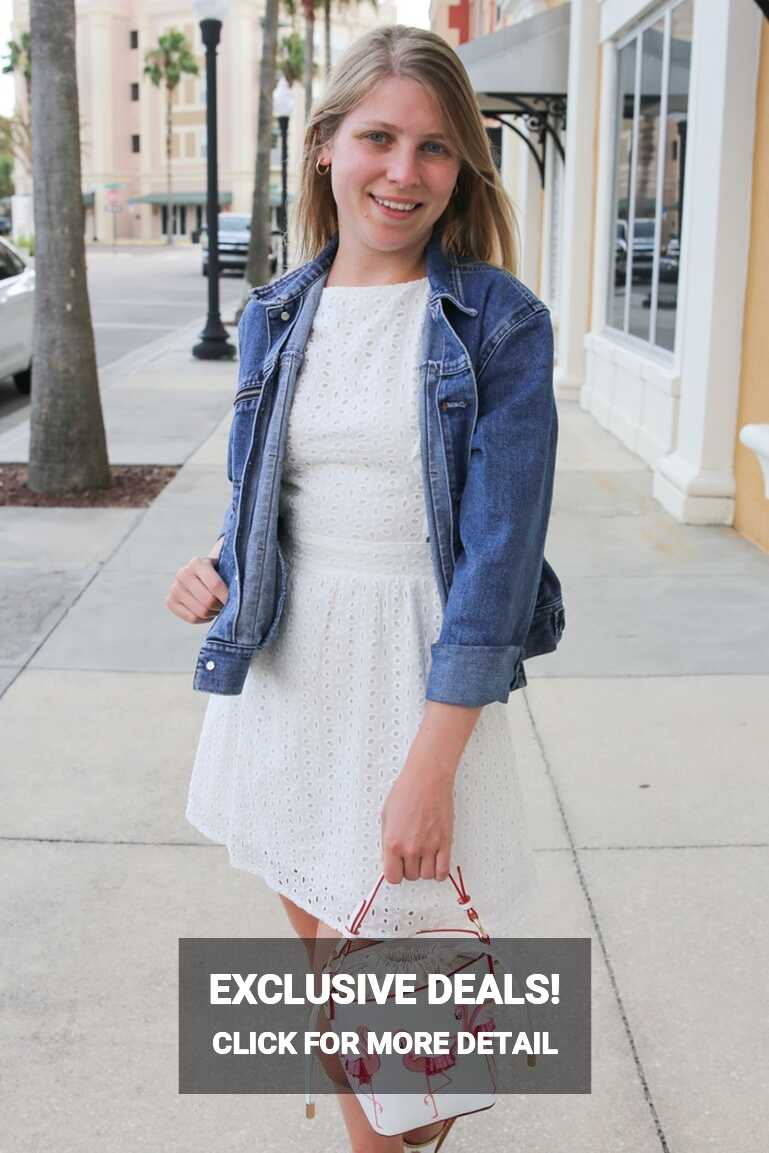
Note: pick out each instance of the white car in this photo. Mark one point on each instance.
(17, 295)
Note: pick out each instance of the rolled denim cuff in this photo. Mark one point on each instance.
(222, 668)
(474, 675)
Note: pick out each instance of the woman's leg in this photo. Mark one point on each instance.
(309, 928)
(303, 923)
(363, 1139)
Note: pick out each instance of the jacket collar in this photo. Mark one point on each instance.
(443, 273)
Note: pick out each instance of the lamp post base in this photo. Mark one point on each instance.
(214, 342)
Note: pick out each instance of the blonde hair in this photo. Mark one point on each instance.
(479, 220)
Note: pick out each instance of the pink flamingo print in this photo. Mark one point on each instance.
(363, 1067)
(432, 1066)
(469, 1016)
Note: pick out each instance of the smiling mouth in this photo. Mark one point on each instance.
(405, 208)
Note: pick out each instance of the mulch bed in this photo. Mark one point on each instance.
(133, 486)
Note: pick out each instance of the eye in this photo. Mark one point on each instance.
(438, 146)
(375, 132)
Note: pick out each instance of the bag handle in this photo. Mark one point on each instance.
(462, 899)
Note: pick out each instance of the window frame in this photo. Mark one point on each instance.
(663, 11)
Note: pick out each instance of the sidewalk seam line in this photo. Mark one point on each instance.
(598, 932)
(97, 570)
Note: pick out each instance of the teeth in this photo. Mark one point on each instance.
(399, 207)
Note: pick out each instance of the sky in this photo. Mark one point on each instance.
(409, 12)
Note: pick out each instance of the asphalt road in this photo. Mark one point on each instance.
(138, 295)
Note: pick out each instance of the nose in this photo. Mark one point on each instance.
(402, 168)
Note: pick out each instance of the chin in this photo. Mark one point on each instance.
(395, 237)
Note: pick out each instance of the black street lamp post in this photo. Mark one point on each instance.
(283, 104)
(214, 339)
(283, 125)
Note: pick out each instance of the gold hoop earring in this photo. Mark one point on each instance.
(321, 171)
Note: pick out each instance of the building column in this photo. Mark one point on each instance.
(549, 226)
(148, 128)
(696, 482)
(531, 199)
(100, 164)
(578, 192)
(239, 57)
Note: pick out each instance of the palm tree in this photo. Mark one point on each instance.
(327, 26)
(327, 31)
(308, 7)
(257, 265)
(165, 65)
(19, 60)
(290, 62)
(19, 134)
(68, 448)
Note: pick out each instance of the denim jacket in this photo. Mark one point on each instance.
(488, 430)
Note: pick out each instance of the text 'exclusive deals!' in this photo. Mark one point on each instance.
(459, 1013)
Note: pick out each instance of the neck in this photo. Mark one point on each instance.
(359, 266)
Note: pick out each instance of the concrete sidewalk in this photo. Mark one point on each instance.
(642, 753)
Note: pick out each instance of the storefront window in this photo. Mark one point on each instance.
(650, 153)
(622, 152)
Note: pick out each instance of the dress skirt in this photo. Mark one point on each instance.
(291, 774)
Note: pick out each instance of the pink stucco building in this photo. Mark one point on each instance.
(122, 116)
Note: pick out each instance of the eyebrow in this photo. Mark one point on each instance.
(395, 128)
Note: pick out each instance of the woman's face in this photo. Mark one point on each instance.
(394, 145)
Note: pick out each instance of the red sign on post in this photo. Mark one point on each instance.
(114, 196)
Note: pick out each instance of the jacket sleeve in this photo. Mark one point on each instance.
(251, 349)
(503, 517)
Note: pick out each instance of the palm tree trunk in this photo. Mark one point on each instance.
(258, 266)
(327, 31)
(309, 53)
(169, 139)
(68, 448)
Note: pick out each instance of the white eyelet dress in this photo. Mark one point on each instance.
(291, 774)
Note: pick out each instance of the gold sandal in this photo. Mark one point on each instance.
(432, 1144)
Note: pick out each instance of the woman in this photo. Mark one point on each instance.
(392, 456)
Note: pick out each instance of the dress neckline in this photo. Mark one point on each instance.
(372, 287)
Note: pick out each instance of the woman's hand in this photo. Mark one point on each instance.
(417, 825)
(198, 592)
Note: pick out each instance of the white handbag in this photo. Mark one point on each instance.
(471, 1076)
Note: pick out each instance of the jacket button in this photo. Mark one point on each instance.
(285, 315)
(210, 665)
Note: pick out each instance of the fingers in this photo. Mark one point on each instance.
(393, 867)
(208, 575)
(433, 866)
(198, 592)
(442, 859)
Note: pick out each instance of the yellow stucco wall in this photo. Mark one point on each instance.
(751, 515)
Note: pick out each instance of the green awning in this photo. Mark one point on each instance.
(178, 198)
(196, 198)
